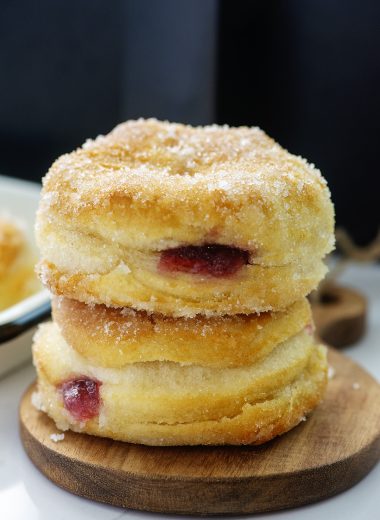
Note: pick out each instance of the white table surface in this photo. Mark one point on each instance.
(25, 494)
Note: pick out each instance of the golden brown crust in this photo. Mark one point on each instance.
(149, 186)
(113, 338)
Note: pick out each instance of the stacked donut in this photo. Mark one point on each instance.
(179, 259)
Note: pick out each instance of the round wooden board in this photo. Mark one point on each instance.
(340, 316)
(331, 451)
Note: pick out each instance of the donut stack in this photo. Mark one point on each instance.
(179, 259)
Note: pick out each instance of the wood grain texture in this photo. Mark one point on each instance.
(335, 448)
(340, 316)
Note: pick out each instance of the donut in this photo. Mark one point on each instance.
(182, 221)
(166, 403)
(171, 392)
(17, 278)
(11, 244)
(114, 338)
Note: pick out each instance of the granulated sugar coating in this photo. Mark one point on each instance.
(139, 157)
(112, 209)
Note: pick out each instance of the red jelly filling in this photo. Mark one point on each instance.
(211, 259)
(81, 397)
(309, 329)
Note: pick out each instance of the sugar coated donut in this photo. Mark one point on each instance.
(114, 338)
(166, 403)
(183, 221)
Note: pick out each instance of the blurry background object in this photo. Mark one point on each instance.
(17, 279)
(340, 313)
(23, 301)
(306, 72)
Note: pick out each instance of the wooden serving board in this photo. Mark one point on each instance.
(330, 452)
(340, 316)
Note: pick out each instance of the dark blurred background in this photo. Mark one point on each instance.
(306, 71)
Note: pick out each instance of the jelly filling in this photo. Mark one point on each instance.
(81, 397)
(210, 259)
(309, 329)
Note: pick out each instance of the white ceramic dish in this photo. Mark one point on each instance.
(19, 199)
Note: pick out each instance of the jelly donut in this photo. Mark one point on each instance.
(166, 403)
(114, 338)
(183, 221)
